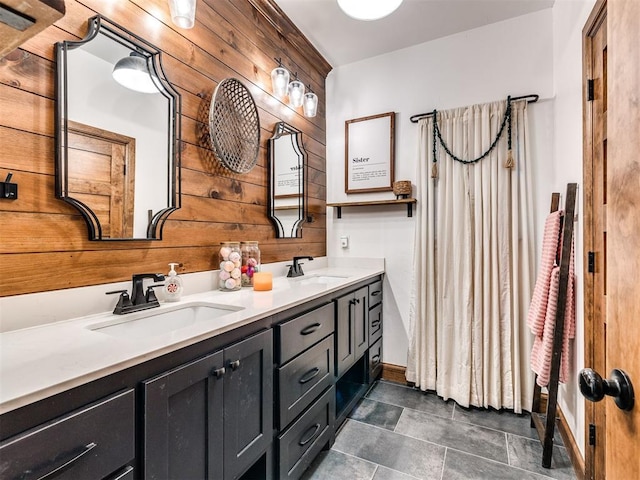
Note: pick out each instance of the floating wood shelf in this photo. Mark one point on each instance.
(409, 202)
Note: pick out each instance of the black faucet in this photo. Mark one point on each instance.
(137, 291)
(138, 300)
(295, 270)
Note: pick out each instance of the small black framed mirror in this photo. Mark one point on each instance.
(287, 163)
(117, 133)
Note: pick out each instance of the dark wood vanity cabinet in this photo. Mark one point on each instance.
(256, 402)
(358, 345)
(210, 418)
(375, 330)
(97, 441)
(352, 328)
(306, 397)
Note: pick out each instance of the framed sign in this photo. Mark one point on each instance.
(369, 153)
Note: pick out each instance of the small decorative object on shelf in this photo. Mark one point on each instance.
(230, 266)
(250, 262)
(402, 189)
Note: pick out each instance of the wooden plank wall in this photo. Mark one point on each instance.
(43, 241)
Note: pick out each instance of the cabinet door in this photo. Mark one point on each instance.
(361, 321)
(183, 421)
(248, 402)
(90, 442)
(345, 344)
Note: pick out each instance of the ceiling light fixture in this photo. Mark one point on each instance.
(368, 9)
(183, 12)
(133, 73)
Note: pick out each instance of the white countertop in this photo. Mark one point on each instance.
(41, 361)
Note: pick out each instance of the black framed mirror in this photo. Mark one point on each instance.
(117, 133)
(287, 163)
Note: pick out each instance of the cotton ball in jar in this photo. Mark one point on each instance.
(235, 273)
(230, 284)
(228, 266)
(224, 275)
(225, 252)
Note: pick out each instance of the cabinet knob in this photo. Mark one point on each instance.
(234, 365)
(219, 372)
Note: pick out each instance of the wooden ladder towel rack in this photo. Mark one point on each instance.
(545, 422)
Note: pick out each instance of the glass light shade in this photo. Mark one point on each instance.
(132, 72)
(280, 81)
(183, 12)
(310, 104)
(296, 93)
(368, 9)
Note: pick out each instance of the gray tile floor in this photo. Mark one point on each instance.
(400, 433)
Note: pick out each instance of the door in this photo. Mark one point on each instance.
(623, 231)
(618, 447)
(101, 175)
(345, 345)
(361, 321)
(183, 421)
(595, 234)
(248, 403)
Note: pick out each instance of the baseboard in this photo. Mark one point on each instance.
(394, 373)
(569, 441)
(570, 444)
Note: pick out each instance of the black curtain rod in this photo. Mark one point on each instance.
(532, 98)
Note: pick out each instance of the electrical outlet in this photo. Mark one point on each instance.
(344, 241)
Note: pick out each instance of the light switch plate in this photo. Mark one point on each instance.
(344, 241)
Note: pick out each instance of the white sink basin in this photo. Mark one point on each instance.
(319, 280)
(153, 322)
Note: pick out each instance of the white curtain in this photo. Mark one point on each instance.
(473, 261)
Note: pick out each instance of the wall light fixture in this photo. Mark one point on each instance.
(183, 12)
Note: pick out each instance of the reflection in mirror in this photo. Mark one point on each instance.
(117, 133)
(287, 160)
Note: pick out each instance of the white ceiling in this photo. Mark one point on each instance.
(342, 40)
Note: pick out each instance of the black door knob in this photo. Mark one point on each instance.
(619, 386)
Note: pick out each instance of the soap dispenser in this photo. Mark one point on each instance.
(173, 285)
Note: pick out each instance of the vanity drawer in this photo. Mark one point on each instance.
(375, 360)
(298, 334)
(375, 324)
(375, 293)
(92, 442)
(303, 379)
(301, 443)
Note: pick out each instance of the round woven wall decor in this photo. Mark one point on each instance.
(234, 126)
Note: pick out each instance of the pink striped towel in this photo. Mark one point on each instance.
(542, 350)
(550, 241)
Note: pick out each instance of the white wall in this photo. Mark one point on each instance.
(569, 17)
(536, 53)
(513, 57)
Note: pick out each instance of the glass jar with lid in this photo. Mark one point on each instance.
(250, 262)
(230, 266)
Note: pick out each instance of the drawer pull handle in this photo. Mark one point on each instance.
(375, 359)
(375, 323)
(315, 429)
(75, 456)
(219, 372)
(234, 365)
(307, 377)
(376, 293)
(308, 330)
